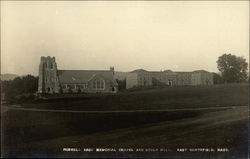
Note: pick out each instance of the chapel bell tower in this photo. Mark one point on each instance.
(48, 80)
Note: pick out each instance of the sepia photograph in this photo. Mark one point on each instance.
(125, 79)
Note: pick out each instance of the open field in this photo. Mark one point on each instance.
(33, 133)
(28, 133)
(157, 98)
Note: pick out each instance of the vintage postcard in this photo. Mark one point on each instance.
(125, 79)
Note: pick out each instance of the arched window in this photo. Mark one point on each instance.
(64, 86)
(99, 84)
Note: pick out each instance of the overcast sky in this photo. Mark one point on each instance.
(181, 36)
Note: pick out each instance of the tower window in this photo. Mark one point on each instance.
(51, 65)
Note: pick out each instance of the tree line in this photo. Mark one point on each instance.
(19, 87)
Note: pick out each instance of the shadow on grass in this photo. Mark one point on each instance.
(25, 126)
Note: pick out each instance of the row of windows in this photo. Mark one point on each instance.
(74, 86)
(98, 84)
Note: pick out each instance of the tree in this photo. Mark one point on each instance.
(217, 78)
(18, 86)
(232, 68)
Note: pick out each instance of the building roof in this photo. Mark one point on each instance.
(182, 72)
(168, 71)
(121, 75)
(155, 71)
(82, 76)
(138, 70)
(200, 71)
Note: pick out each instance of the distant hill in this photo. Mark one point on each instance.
(8, 76)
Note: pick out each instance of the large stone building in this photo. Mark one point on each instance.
(52, 80)
(138, 77)
(142, 77)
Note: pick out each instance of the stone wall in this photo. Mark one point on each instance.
(144, 79)
(171, 78)
(183, 78)
(202, 78)
(131, 80)
(158, 78)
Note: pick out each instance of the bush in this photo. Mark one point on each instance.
(24, 98)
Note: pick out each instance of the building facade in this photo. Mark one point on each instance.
(142, 77)
(138, 77)
(202, 77)
(52, 80)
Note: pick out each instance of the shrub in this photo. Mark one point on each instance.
(24, 98)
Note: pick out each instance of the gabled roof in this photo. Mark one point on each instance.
(138, 70)
(200, 71)
(82, 76)
(168, 71)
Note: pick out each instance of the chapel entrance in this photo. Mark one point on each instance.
(113, 89)
(49, 90)
(170, 83)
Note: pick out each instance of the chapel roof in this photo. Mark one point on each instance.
(82, 76)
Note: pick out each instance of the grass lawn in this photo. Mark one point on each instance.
(36, 133)
(157, 98)
(41, 133)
